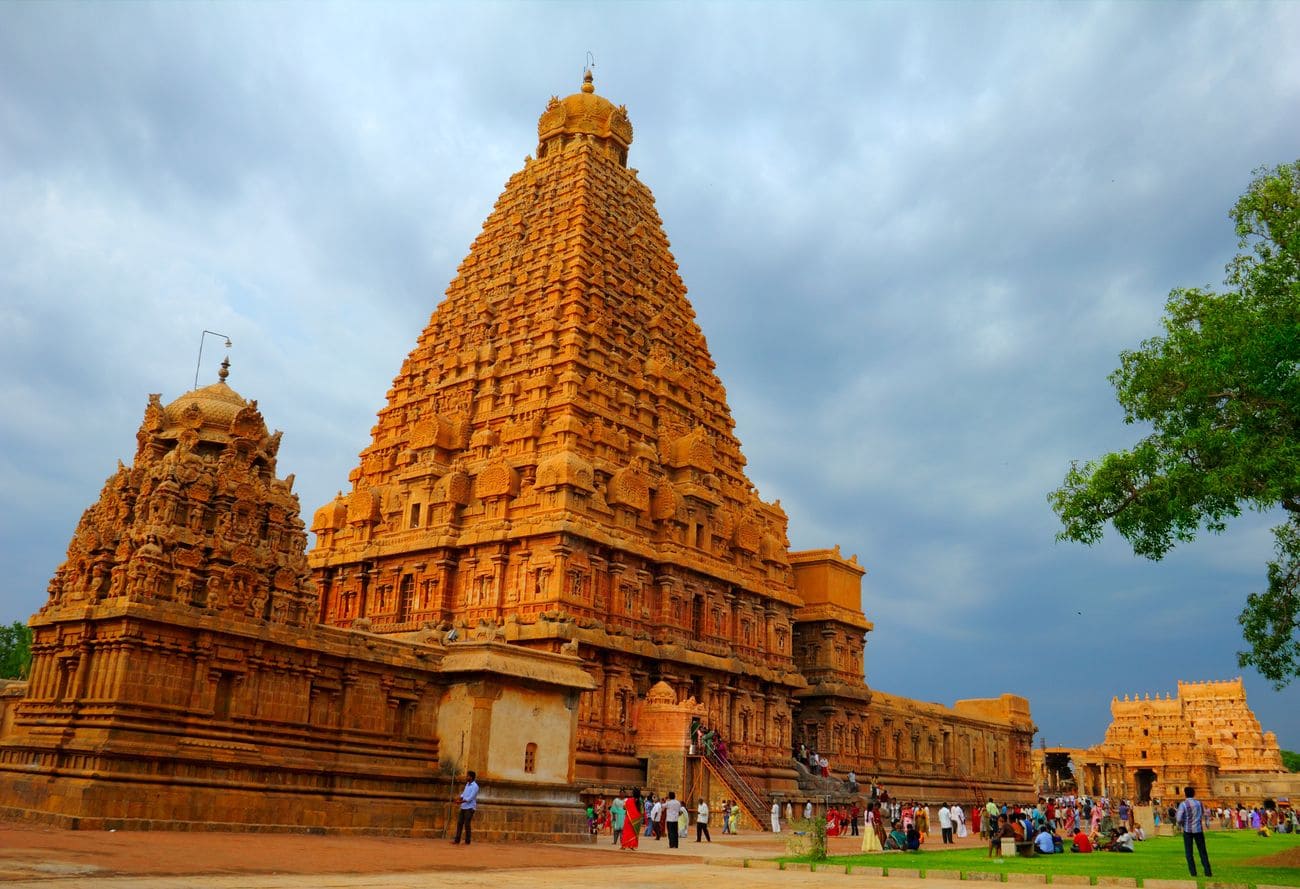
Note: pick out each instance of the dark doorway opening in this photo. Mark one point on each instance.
(1145, 779)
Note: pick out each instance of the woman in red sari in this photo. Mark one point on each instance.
(632, 821)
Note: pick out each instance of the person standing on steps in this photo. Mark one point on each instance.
(702, 822)
(1190, 817)
(468, 804)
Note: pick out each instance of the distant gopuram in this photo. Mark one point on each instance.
(1205, 736)
(557, 456)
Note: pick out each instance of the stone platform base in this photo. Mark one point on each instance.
(507, 813)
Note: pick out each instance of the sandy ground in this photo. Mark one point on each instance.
(28, 852)
(43, 858)
(1285, 858)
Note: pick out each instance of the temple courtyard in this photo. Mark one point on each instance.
(53, 859)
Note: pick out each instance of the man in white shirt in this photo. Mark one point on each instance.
(468, 803)
(945, 823)
(776, 816)
(655, 811)
(702, 822)
(672, 810)
(807, 811)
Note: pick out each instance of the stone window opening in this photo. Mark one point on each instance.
(405, 597)
(415, 515)
(530, 758)
(225, 691)
(67, 669)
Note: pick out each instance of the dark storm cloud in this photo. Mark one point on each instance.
(916, 237)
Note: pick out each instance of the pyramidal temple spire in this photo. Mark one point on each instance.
(565, 377)
(556, 455)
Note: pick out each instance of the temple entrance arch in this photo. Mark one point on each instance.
(1145, 779)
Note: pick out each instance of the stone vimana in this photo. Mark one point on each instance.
(548, 562)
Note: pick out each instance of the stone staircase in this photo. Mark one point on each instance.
(746, 796)
(816, 787)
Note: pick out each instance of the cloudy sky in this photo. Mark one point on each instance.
(916, 236)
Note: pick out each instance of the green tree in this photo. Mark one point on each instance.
(1291, 760)
(15, 651)
(1220, 391)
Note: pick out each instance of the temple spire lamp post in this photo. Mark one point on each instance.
(203, 336)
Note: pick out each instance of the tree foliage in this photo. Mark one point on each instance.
(1220, 391)
(15, 651)
(1291, 760)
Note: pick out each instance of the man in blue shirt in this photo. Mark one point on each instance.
(1046, 845)
(468, 803)
(1190, 818)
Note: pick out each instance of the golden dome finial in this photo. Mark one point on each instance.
(585, 114)
(225, 369)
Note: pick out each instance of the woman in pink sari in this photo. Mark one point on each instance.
(632, 820)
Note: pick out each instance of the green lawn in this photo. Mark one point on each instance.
(1157, 858)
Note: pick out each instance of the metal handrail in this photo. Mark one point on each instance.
(746, 796)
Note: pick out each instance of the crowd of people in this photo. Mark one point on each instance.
(629, 817)
(1055, 825)
(1264, 820)
(1077, 824)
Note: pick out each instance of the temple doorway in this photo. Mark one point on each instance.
(1058, 772)
(1145, 780)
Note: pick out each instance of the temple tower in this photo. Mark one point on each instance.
(557, 456)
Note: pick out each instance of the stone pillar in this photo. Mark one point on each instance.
(484, 695)
(499, 561)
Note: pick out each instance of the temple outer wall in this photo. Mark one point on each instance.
(1252, 787)
(175, 720)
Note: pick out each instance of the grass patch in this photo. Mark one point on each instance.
(1159, 858)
